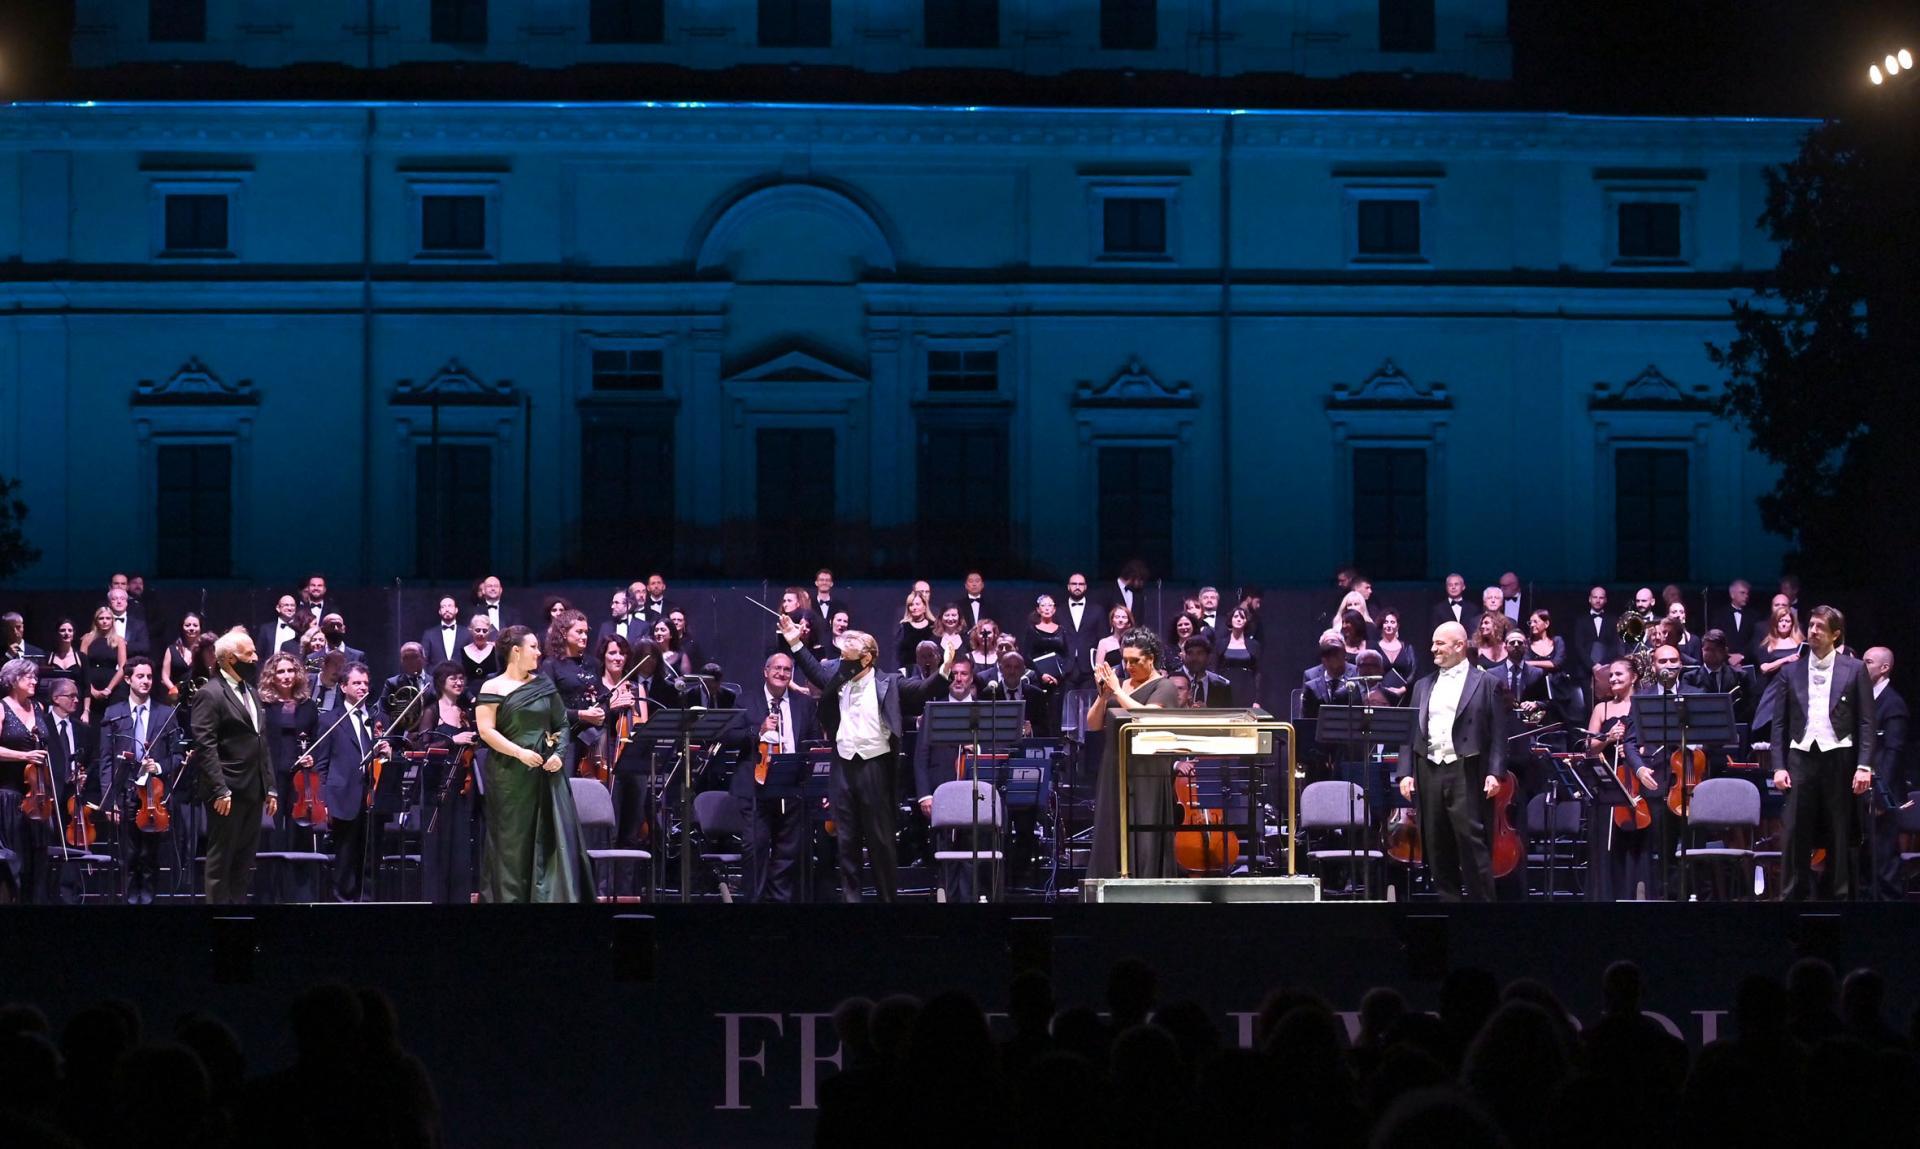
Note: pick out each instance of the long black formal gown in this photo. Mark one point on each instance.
(1150, 781)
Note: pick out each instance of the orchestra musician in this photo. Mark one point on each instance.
(284, 630)
(133, 748)
(1823, 755)
(230, 751)
(441, 642)
(1455, 763)
(346, 746)
(449, 790)
(860, 707)
(1612, 735)
(1209, 689)
(291, 721)
(782, 720)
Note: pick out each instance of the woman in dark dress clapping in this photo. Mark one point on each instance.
(177, 668)
(449, 791)
(1150, 785)
(1397, 653)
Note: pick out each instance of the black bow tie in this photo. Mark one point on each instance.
(119, 618)
(1076, 602)
(1453, 602)
(446, 626)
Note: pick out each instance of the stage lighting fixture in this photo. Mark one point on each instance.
(1905, 57)
(1873, 73)
(1891, 65)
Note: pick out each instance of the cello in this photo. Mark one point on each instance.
(1203, 850)
(1508, 850)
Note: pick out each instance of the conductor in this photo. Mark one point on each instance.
(232, 757)
(1455, 762)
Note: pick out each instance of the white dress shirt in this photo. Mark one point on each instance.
(1076, 611)
(862, 734)
(283, 633)
(1880, 688)
(782, 741)
(1820, 731)
(1443, 705)
(120, 626)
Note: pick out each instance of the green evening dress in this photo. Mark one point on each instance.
(534, 851)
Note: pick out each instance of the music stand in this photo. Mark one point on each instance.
(1683, 720)
(688, 727)
(984, 726)
(1366, 726)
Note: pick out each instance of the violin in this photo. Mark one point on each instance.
(1636, 814)
(1689, 770)
(38, 802)
(152, 815)
(1200, 851)
(1508, 850)
(309, 804)
(81, 831)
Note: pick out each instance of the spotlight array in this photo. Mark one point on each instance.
(1893, 65)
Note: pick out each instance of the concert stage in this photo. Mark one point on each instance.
(707, 1024)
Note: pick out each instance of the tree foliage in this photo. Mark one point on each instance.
(16, 553)
(1820, 369)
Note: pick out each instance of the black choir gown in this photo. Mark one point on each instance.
(1240, 665)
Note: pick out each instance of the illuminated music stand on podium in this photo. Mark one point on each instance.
(1222, 733)
(688, 728)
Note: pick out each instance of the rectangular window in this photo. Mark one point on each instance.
(193, 511)
(1128, 25)
(796, 23)
(453, 224)
(1390, 511)
(794, 495)
(963, 502)
(1133, 226)
(177, 21)
(974, 371)
(1136, 507)
(1389, 228)
(453, 531)
(626, 496)
(1650, 513)
(196, 224)
(962, 23)
(627, 22)
(628, 369)
(459, 21)
(1649, 231)
(1406, 25)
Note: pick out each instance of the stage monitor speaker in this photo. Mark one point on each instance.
(1201, 890)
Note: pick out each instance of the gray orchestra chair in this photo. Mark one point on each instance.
(90, 862)
(272, 866)
(956, 811)
(1721, 804)
(718, 816)
(594, 802)
(1331, 806)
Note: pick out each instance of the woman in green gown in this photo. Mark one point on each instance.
(534, 852)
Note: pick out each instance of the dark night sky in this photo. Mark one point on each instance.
(1728, 57)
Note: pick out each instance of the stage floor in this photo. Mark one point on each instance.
(706, 1024)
